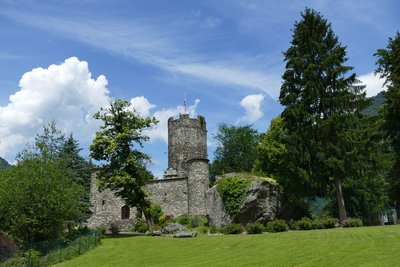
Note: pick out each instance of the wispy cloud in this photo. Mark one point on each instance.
(153, 45)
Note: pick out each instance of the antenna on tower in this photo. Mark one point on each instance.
(184, 102)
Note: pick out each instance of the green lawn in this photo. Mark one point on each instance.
(367, 246)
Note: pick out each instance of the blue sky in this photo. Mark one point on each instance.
(63, 60)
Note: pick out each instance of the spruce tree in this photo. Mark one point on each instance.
(322, 106)
(389, 68)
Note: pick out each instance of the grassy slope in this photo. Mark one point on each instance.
(368, 246)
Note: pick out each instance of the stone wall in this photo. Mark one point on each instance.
(171, 194)
(197, 185)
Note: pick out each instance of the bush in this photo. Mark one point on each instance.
(255, 228)
(7, 247)
(102, 230)
(184, 220)
(305, 224)
(155, 212)
(114, 229)
(203, 229)
(353, 222)
(164, 220)
(277, 226)
(140, 226)
(197, 221)
(213, 229)
(232, 229)
(325, 223)
(293, 225)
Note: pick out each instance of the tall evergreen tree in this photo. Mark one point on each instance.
(389, 68)
(322, 105)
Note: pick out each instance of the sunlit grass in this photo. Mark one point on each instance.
(367, 246)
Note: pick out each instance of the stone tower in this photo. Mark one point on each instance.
(187, 157)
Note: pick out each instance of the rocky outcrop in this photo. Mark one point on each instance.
(262, 204)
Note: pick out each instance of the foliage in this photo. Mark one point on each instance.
(255, 228)
(325, 223)
(353, 222)
(277, 226)
(155, 212)
(32, 257)
(305, 224)
(7, 246)
(198, 220)
(114, 228)
(140, 226)
(124, 169)
(36, 198)
(236, 149)
(213, 229)
(203, 229)
(232, 229)
(322, 113)
(389, 68)
(233, 192)
(184, 220)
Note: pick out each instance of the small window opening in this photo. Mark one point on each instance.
(125, 212)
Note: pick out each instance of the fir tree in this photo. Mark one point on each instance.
(322, 105)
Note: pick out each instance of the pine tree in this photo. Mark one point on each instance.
(322, 105)
(389, 68)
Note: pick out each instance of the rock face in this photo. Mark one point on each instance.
(262, 204)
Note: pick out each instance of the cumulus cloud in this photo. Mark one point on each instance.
(66, 93)
(142, 105)
(252, 106)
(160, 131)
(373, 82)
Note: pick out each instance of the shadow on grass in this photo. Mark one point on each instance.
(124, 235)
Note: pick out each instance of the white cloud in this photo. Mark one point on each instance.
(373, 82)
(160, 131)
(252, 106)
(66, 93)
(142, 105)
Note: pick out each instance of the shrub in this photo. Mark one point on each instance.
(7, 247)
(184, 220)
(233, 192)
(277, 226)
(114, 229)
(155, 212)
(203, 229)
(197, 221)
(140, 226)
(255, 228)
(32, 257)
(102, 230)
(232, 229)
(353, 222)
(305, 224)
(213, 229)
(164, 220)
(293, 225)
(325, 223)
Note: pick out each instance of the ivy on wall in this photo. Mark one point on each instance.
(233, 192)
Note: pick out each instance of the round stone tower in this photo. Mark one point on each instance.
(187, 141)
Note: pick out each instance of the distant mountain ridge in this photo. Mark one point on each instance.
(377, 102)
(4, 164)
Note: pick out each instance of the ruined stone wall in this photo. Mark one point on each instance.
(171, 194)
(187, 139)
(106, 208)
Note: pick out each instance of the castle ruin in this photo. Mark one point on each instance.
(182, 191)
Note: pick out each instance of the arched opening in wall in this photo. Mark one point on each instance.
(125, 212)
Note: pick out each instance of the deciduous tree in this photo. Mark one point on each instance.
(117, 145)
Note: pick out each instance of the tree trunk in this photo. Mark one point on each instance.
(340, 201)
(149, 220)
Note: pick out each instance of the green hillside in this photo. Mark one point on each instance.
(377, 102)
(4, 163)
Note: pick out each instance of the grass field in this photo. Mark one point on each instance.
(367, 246)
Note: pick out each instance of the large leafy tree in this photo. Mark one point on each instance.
(236, 149)
(322, 105)
(117, 145)
(38, 194)
(389, 68)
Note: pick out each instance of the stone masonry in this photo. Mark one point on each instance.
(183, 189)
